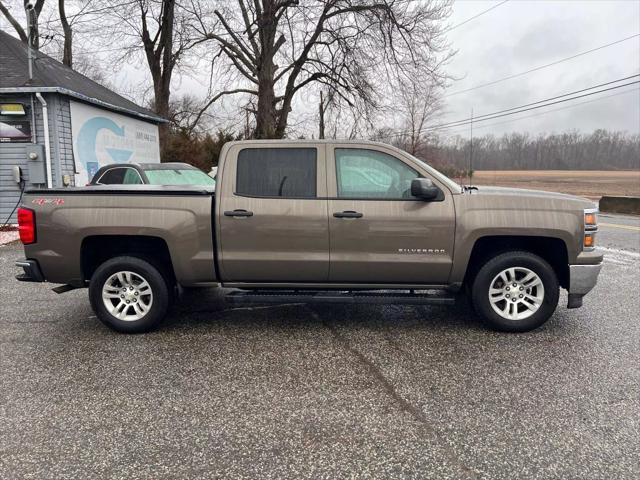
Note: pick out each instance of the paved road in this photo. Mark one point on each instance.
(331, 392)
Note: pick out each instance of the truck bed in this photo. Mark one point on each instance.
(78, 226)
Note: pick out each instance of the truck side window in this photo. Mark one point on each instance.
(277, 172)
(363, 173)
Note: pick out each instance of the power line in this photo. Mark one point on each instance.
(545, 100)
(549, 111)
(461, 122)
(475, 16)
(520, 109)
(500, 80)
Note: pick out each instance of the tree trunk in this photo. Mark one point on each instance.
(67, 53)
(267, 115)
(159, 53)
(162, 93)
(16, 25)
(283, 116)
(321, 112)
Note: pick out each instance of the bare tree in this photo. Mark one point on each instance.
(321, 109)
(323, 106)
(159, 52)
(14, 23)
(419, 105)
(67, 49)
(280, 47)
(157, 29)
(34, 13)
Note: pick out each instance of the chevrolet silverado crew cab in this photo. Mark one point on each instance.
(313, 221)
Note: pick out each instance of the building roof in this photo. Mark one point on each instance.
(49, 75)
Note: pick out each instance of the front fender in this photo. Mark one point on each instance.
(475, 221)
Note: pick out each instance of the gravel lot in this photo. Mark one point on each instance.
(322, 392)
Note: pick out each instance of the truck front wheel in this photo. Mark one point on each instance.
(515, 292)
(129, 294)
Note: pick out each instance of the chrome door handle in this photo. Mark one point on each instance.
(238, 213)
(348, 214)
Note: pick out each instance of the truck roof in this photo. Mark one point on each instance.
(310, 141)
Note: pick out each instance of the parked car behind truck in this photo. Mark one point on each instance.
(314, 221)
(173, 173)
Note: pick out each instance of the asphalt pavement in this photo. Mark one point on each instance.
(330, 392)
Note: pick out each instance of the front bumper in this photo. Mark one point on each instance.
(582, 279)
(32, 272)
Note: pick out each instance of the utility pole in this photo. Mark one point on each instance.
(29, 9)
(471, 149)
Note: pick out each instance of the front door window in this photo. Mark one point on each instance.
(369, 174)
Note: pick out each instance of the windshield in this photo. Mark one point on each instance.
(178, 177)
(443, 178)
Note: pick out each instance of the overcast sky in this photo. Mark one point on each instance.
(520, 35)
(513, 37)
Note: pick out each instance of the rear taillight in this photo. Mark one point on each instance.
(27, 225)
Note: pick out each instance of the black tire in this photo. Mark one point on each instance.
(159, 287)
(518, 259)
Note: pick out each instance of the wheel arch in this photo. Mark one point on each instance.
(97, 249)
(552, 249)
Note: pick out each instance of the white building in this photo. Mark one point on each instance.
(60, 126)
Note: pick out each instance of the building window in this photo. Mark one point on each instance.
(15, 125)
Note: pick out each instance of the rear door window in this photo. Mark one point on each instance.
(277, 172)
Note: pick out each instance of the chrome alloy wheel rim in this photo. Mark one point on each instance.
(516, 293)
(127, 296)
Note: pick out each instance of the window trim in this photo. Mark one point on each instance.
(142, 182)
(269, 197)
(343, 199)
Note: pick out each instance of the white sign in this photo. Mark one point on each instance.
(101, 137)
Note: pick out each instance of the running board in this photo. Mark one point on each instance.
(433, 297)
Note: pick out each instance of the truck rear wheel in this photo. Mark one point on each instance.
(515, 292)
(129, 294)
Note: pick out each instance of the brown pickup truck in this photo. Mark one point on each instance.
(314, 221)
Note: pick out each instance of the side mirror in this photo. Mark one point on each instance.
(424, 188)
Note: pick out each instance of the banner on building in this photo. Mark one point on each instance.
(101, 137)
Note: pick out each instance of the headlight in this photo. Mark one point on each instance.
(590, 219)
(589, 240)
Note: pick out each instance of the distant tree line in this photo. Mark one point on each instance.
(599, 150)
